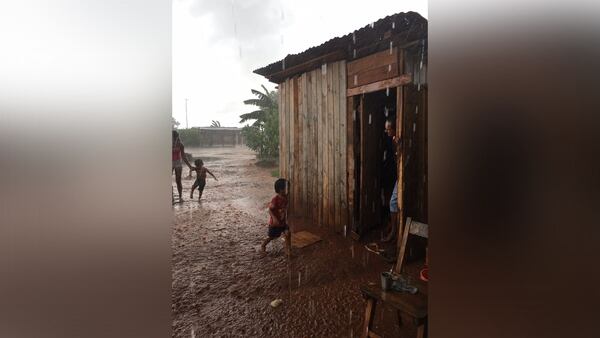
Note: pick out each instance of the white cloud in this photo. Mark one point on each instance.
(217, 44)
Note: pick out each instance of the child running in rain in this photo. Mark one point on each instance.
(278, 221)
(200, 182)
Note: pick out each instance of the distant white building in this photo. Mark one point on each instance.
(221, 137)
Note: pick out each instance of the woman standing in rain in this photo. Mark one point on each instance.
(178, 159)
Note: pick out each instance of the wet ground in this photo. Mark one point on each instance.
(221, 286)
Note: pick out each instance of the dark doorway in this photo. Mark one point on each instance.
(375, 164)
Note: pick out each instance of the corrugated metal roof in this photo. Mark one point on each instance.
(397, 29)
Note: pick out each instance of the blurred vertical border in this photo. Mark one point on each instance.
(514, 168)
(85, 213)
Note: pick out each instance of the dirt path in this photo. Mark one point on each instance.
(222, 288)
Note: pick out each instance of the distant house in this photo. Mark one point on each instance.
(220, 137)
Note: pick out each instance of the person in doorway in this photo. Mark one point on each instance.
(390, 177)
(178, 157)
(200, 182)
(278, 220)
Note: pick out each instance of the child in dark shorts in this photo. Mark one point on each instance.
(278, 221)
(200, 182)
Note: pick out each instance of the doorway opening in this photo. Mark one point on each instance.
(375, 158)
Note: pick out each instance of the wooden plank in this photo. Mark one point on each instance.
(414, 306)
(336, 144)
(290, 103)
(290, 133)
(374, 335)
(350, 156)
(380, 85)
(306, 150)
(297, 149)
(301, 144)
(338, 147)
(279, 128)
(300, 149)
(330, 165)
(309, 144)
(317, 106)
(419, 229)
(287, 130)
(380, 73)
(400, 135)
(315, 157)
(306, 85)
(343, 147)
(372, 61)
(369, 316)
(402, 240)
(282, 129)
(324, 124)
(327, 139)
(304, 238)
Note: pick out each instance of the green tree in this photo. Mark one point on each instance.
(190, 137)
(266, 102)
(263, 135)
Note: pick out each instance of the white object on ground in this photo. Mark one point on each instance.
(276, 302)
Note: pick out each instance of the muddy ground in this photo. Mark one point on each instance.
(222, 288)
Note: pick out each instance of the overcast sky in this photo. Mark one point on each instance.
(218, 43)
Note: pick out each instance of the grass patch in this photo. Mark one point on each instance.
(266, 163)
(275, 173)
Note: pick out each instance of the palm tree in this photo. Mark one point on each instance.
(216, 124)
(267, 102)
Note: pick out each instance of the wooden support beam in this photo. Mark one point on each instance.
(380, 85)
(402, 240)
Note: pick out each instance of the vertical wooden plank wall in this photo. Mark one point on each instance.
(336, 146)
(342, 152)
(350, 177)
(282, 129)
(330, 147)
(325, 117)
(312, 99)
(313, 144)
(297, 153)
(283, 142)
(321, 113)
(307, 193)
(292, 136)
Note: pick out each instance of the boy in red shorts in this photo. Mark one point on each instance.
(278, 221)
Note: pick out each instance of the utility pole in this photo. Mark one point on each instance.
(186, 116)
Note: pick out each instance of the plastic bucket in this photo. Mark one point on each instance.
(386, 281)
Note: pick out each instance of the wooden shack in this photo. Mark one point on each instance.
(334, 100)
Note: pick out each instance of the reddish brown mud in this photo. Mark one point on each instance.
(221, 286)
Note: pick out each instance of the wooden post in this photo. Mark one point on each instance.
(369, 316)
(400, 135)
(350, 158)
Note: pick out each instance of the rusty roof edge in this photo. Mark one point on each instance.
(338, 43)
